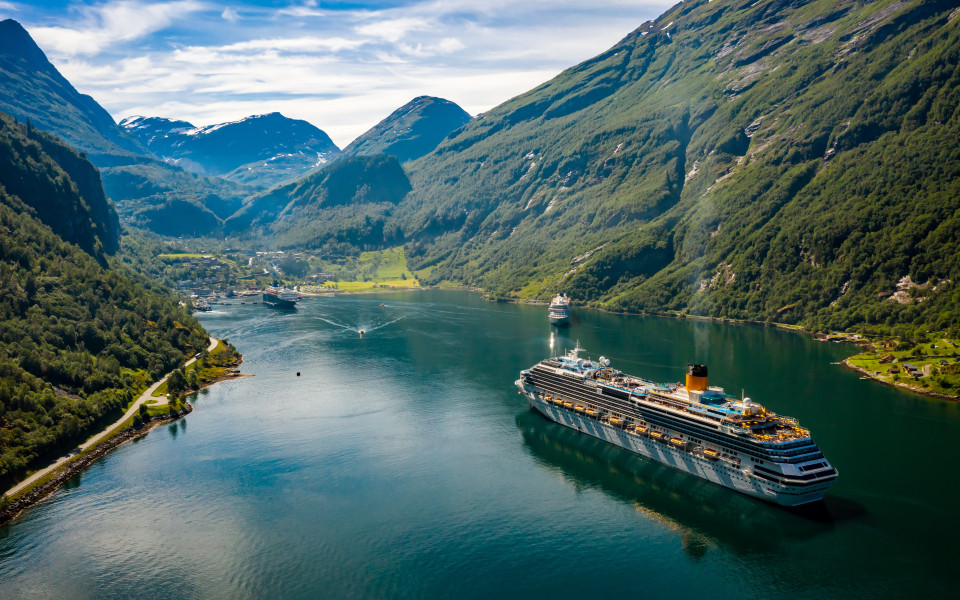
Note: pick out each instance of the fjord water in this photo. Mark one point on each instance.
(403, 464)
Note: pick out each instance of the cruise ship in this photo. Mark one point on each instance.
(280, 297)
(692, 427)
(559, 311)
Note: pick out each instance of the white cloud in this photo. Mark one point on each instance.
(230, 14)
(393, 30)
(298, 44)
(107, 24)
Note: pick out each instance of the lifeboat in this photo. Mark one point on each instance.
(567, 404)
(678, 442)
(591, 413)
(711, 453)
(641, 430)
(656, 434)
(579, 408)
(615, 422)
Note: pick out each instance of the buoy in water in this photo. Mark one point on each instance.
(298, 373)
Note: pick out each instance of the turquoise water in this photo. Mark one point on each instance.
(404, 464)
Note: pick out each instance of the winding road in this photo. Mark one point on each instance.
(147, 395)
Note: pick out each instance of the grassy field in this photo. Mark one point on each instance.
(371, 271)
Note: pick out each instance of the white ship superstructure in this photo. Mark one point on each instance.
(280, 297)
(693, 427)
(559, 311)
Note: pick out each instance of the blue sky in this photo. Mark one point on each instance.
(343, 66)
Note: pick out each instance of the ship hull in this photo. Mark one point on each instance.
(275, 302)
(560, 321)
(714, 470)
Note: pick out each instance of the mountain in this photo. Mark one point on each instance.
(60, 187)
(772, 160)
(412, 130)
(345, 205)
(31, 89)
(76, 339)
(262, 150)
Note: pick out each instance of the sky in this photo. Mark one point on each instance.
(341, 65)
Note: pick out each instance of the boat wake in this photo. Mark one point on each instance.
(361, 328)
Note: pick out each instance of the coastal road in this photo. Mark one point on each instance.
(147, 395)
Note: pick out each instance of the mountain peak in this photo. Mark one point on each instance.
(15, 41)
(411, 131)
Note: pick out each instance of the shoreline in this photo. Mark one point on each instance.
(862, 343)
(44, 490)
(896, 384)
(59, 476)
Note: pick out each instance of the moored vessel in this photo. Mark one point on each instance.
(559, 311)
(692, 427)
(280, 297)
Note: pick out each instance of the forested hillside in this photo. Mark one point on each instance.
(344, 206)
(76, 339)
(789, 161)
(60, 185)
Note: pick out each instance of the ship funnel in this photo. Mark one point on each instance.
(697, 378)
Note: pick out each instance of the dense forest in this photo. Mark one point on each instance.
(76, 339)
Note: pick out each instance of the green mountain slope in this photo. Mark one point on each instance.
(345, 205)
(76, 339)
(792, 161)
(412, 130)
(31, 89)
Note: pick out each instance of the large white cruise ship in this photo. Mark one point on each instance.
(694, 427)
(559, 311)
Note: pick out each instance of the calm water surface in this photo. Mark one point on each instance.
(404, 464)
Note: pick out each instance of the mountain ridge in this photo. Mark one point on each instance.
(33, 90)
(259, 150)
(411, 131)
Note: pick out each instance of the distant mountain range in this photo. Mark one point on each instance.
(411, 131)
(147, 191)
(261, 151)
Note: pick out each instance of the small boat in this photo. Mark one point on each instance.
(711, 453)
(362, 332)
(591, 413)
(656, 434)
(677, 442)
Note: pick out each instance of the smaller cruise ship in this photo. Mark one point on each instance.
(280, 297)
(559, 311)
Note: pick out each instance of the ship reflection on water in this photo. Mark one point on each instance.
(704, 514)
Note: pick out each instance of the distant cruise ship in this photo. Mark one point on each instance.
(692, 427)
(559, 311)
(280, 297)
